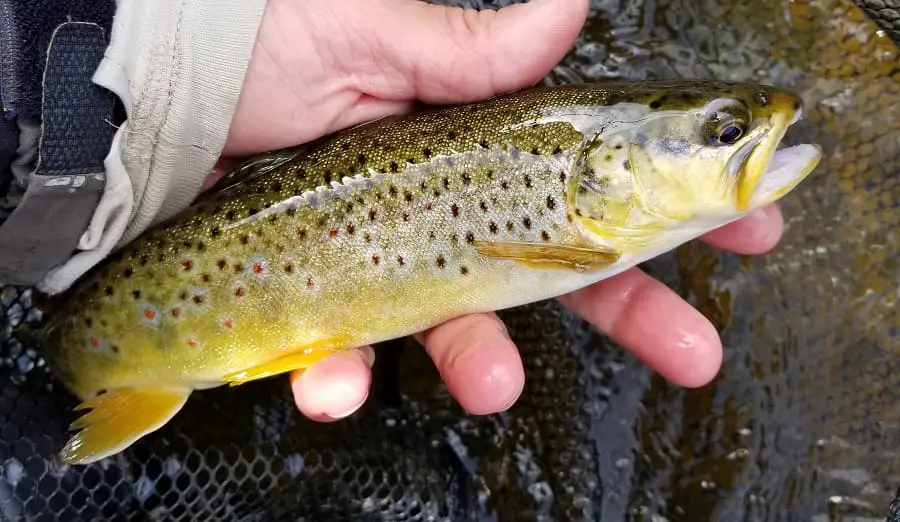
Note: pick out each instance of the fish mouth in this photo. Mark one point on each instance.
(786, 169)
(769, 173)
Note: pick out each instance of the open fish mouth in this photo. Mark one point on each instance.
(784, 171)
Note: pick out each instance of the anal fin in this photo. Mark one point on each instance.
(117, 419)
(298, 360)
(546, 255)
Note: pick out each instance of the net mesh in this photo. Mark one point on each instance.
(800, 425)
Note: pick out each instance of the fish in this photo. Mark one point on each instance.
(397, 225)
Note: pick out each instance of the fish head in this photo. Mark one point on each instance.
(703, 157)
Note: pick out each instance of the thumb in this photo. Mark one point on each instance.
(452, 55)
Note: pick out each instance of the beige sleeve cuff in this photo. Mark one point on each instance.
(178, 66)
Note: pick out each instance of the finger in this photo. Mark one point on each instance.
(441, 54)
(478, 361)
(334, 387)
(651, 321)
(755, 234)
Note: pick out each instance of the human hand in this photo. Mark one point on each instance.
(319, 67)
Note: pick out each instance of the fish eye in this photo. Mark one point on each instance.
(730, 133)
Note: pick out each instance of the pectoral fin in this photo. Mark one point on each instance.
(295, 361)
(117, 419)
(544, 255)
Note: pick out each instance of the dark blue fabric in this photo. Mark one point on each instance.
(78, 117)
(26, 27)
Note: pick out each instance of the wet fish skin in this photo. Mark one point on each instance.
(392, 227)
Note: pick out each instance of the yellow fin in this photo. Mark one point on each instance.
(118, 418)
(543, 255)
(295, 361)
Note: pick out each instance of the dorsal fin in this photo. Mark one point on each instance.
(252, 168)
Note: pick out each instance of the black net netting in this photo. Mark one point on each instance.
(801, 425)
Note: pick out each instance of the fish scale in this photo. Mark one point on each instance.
(399, 225)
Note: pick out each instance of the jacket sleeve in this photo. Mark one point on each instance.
(178, 67)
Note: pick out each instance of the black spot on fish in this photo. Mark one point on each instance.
(427, 153)
(229, 215)
(244, 239)
(108, 290)
(406, 216)
(221, 264)
(394, 166)
(446, 182)
(437, 193)
(215, 232)
(373, 214)
(205, 278)
(198, 299)
(676, 145)
(128, 272)
(392, 190)
(451, 135)
(252, 211)
(288, 267)
(367, 237)
(551, 203)
(484, 143)
(88, 322)
(239, 291)
(407, 196)
(400, 261)
(201, 246)
(484, 206)
(466, 178)
(440, 261)
(527, 222)
(493, 227)
(276, 187)
(464, 270)
(454, 209)
(504, 185)
(238, 267)
(557, 150)
(351, 229)
(187, 264)
(375, 259)
(509, 226)
(361, 159)
(545, 236)
(489, 174)
(627, 164)
(291, 211)
(114, 348)
(327, 176)
(470, 237)
(655, 104)
(182, 296)
(300, 174)
(535, 151)
(136, 294)
(411, 161)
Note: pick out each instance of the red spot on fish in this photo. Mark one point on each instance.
(176, 312)
(149, 315)
(309, 282)
(94, 342)
(333, 234)
(193, 343)
(428, 206)
(239, 292)
(229, 323)
(257, 268)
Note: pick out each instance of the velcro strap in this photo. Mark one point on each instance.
(64, 191)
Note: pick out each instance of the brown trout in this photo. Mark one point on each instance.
(395, 226)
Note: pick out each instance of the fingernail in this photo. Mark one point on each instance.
(344, 413)
(368, 354)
